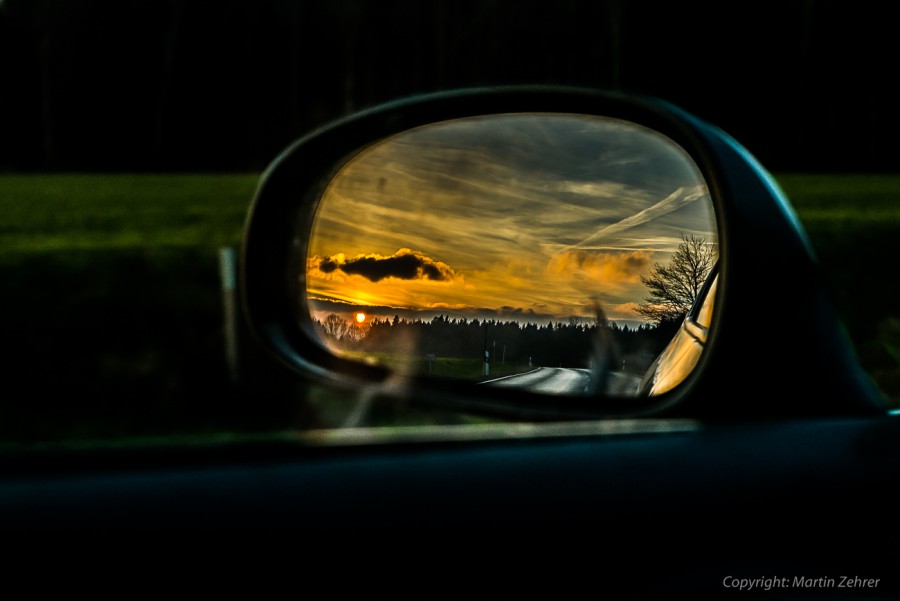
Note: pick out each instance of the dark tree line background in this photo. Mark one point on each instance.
(560, 344)
(226, 84)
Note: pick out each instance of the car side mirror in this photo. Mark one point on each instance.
(510, 250)
(541, 251)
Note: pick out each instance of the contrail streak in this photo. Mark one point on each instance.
(679, 198)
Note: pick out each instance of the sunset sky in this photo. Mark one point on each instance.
(533, 217)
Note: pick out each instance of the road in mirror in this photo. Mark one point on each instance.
(554, 252)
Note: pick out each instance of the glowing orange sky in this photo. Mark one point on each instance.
(510, 216)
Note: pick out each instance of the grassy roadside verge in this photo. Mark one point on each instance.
(444, 367)
(853, 221)
(65, 213)
(111, 315)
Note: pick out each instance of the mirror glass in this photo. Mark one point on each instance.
(553, 252)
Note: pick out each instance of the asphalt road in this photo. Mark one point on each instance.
(566, 380)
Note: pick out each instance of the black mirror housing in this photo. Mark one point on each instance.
(776, 346)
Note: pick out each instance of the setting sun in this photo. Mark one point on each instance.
(360, 317)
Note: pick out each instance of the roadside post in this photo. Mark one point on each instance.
(228, 276)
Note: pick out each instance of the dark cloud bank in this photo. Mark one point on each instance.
(404, 264)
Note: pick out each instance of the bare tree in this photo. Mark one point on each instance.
(675, 287)
(339, 329)
(335, 327)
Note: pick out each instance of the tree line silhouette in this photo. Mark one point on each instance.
(561, 344)
(673, 288)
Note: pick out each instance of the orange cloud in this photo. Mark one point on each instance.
(609, 267)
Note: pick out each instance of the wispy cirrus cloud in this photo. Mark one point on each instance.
(516, 213)
(678, 199)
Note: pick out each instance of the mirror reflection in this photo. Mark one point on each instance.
(554, 252)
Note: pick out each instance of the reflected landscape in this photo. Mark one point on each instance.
(527, 250)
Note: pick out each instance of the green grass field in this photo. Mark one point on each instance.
(63, 213)
(853, 222)
(111, 315)
(444, 367)
(857, 198)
